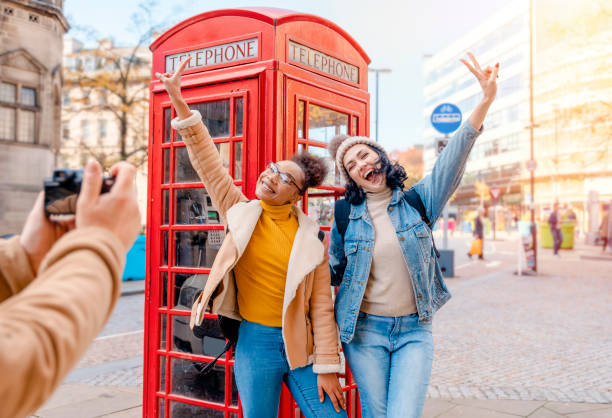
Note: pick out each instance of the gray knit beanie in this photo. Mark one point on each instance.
(340, 144)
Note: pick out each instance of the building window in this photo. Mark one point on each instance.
(17, 116)
(33, 18)
(9, 11)
(7, 123)
(65, 131)
(28, 96)
(84, 130)
(66, 100)
(102, 129)
(27, 124)
(8, 93)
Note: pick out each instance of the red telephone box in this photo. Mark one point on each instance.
(268, 82)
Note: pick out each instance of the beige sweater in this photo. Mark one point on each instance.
(47, 322)
(389, 291)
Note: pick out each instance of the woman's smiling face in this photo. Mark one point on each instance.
(363, 166)
(273, 191)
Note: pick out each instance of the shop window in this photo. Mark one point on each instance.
(324, 123)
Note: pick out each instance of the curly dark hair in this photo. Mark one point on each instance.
(315, 169)
(395, 176)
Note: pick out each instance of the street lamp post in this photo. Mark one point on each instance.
(377, 70)
(531, 126)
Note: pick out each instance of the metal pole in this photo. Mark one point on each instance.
(531, 126)
(377, 70)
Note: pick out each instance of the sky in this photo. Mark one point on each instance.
(395, 34)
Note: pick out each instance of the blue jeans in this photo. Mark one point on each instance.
(261, 368)
(391, 358)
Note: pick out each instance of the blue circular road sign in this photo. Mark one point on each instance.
(446, 118)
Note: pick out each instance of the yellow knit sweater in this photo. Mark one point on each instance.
(261, 272)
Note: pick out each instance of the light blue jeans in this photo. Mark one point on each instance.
(261, 367)
(391, 358)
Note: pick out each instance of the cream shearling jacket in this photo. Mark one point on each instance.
(308, 325)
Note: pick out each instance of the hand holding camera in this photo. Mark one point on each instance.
(116, 211)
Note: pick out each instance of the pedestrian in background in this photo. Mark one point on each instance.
(603, 230)
(554, 222)
(477, 247)
(58, 285)
(380, 242)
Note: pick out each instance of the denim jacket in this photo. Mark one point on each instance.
(350, 258)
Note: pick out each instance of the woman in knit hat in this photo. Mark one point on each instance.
(383, 258)
(271, 274)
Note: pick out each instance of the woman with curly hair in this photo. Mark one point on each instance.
(271, 274)
(383, 257)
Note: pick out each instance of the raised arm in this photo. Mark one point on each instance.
(203, 153)
(436, 188)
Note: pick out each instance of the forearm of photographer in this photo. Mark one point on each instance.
(46, 327)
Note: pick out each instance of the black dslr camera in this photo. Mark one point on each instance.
(62, 190)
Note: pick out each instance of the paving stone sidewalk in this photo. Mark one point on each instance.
(86, 401)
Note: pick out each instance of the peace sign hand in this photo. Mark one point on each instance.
(487, 77)
(172, 81)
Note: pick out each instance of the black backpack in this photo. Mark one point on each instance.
(342, 211)
(229, 328)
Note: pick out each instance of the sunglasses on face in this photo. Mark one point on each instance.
(286, 178)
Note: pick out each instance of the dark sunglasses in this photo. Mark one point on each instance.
(284, 177)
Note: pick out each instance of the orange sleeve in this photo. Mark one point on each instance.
(46, 328)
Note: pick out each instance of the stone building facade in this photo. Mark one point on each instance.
(31, 33)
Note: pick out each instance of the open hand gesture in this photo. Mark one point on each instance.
(172, 81)
(487, 77)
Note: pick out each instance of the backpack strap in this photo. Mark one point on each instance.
(414, 200)
(321, 235)
(342, 211)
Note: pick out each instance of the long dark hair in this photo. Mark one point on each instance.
(395, 176)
